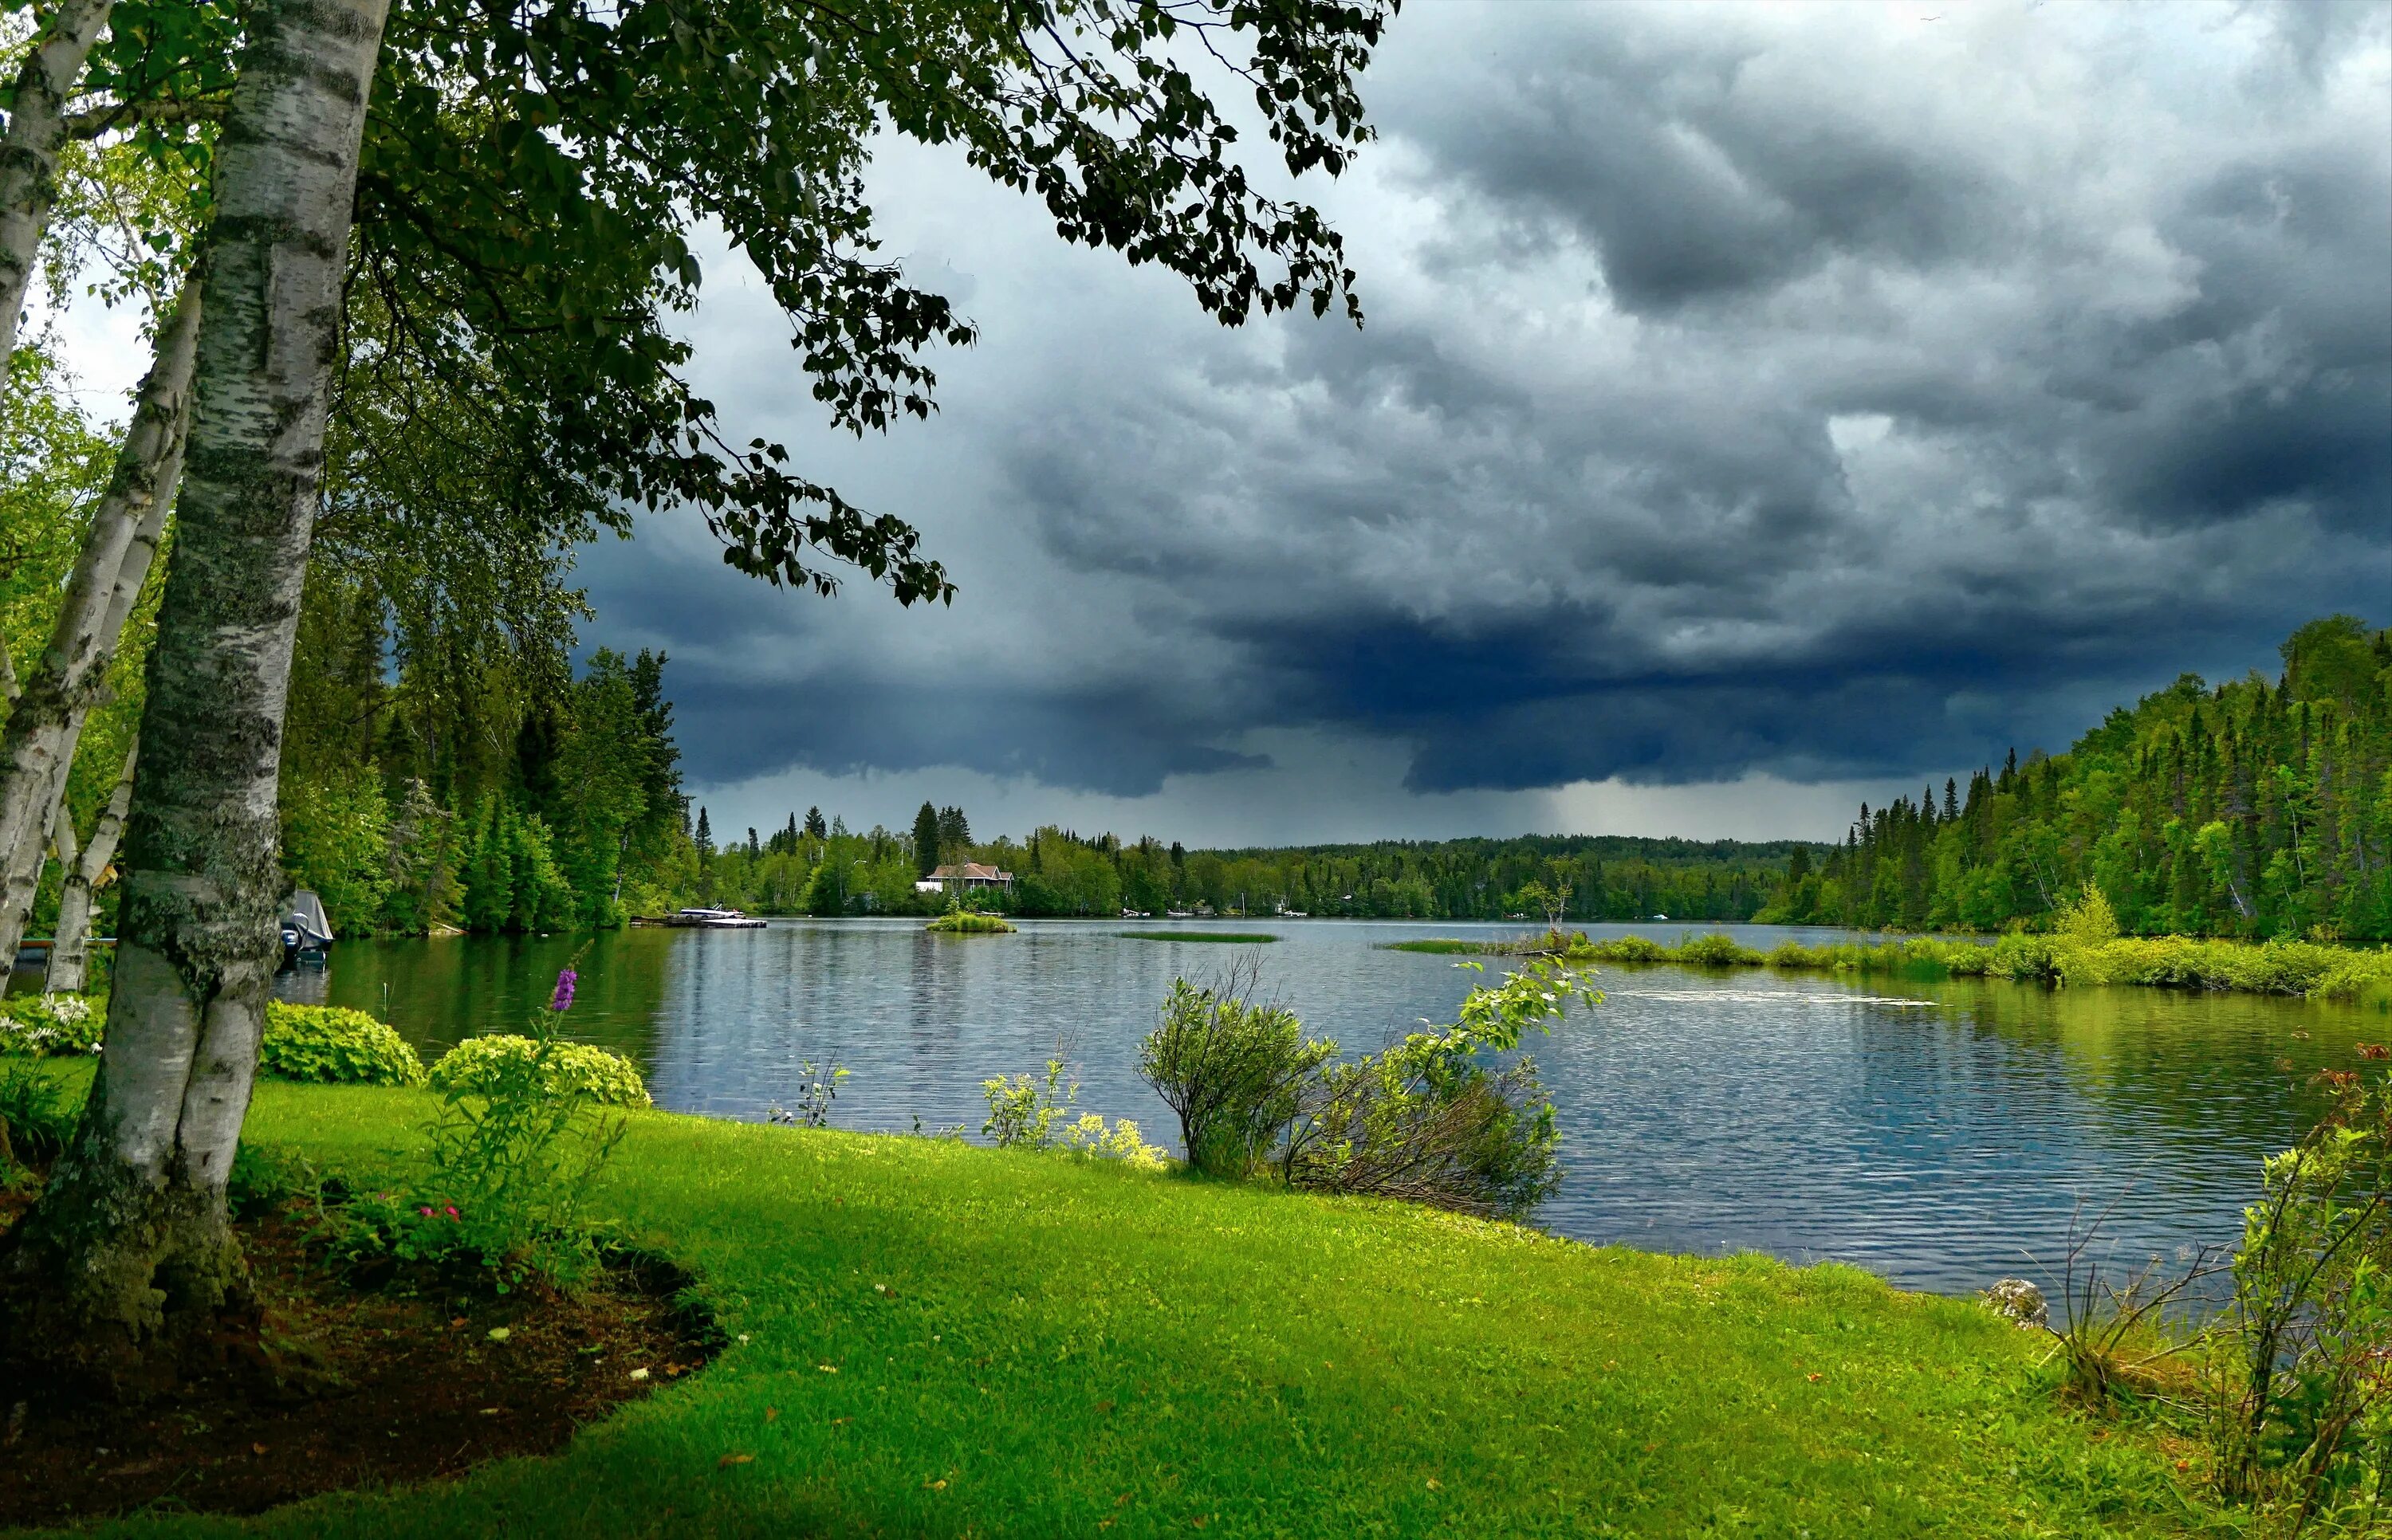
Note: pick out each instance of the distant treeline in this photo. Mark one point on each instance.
(811, 866)
(2248, 809)
(498, 791)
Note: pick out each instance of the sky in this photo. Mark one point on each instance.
(1760, 409)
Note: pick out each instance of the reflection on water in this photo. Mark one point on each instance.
(1935, 1132)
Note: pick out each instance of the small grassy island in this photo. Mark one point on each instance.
(971, 922)
(925, 1338)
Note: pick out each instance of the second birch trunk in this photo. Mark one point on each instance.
(83, 866)
(108, 573)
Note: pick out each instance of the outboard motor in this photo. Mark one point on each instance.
(306, 931)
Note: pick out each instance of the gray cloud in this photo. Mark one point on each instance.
(1811, 393)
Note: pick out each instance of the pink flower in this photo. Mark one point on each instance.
(452, 1210)
(425, 1211)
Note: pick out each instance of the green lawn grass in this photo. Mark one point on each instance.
(1241, 937)
(936, 1339)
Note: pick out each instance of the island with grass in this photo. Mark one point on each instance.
(969, 922)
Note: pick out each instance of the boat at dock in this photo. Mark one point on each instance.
(711, 919)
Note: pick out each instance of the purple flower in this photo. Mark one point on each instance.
(563, 999)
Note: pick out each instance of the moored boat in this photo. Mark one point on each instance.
(714, 919)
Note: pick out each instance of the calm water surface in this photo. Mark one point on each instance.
(1939, 1134)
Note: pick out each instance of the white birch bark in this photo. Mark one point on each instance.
(70, 962)
(38, 746)
(126, 1265)
(28, 151)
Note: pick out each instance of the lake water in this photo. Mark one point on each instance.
(1940, 1135)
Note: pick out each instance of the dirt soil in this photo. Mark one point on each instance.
(422, 1379)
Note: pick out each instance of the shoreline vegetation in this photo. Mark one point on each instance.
(2308, 969)
(1233, 937)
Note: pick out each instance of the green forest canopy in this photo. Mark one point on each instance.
(512, 796)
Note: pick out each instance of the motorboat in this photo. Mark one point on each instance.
(715, 919)
(307, 931)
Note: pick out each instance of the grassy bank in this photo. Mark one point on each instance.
(2165, 962)
(1231, 938)
(937, 1340)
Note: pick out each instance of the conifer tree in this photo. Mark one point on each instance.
(926, 839)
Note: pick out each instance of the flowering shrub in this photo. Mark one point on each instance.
(334, 1045)
(2303, 1420)
(523, 1131)
(1037, 1114)
(397, 1227)
(52, 1023)
(477, 1065)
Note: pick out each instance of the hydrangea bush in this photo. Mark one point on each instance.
(478, 1064)
(334, 1045)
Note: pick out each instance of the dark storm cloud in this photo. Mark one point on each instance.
(1805, 392)
(1117, 743)
(1650, 147)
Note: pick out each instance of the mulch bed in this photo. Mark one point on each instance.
(406, 1383)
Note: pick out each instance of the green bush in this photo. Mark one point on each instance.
(2302, 1422)
(479, 1066)
(50, 1024)
(1232, 1070)
(1432, 1120)
(334, 1045)
(1718, 952)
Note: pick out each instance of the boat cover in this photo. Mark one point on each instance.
(304, 912)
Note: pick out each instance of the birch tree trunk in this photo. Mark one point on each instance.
(125, 1270)
(28, 151)
(70, 963)
(39, 743)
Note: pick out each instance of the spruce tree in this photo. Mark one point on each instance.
(926, 839)
(816, 827)
(704, 834)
